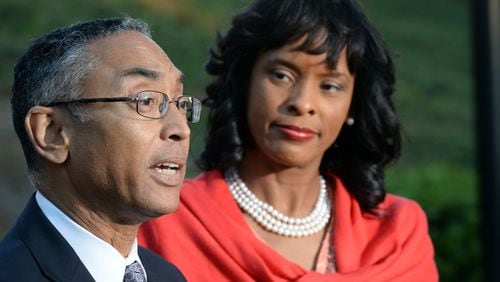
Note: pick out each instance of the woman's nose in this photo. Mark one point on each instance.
(301, 99)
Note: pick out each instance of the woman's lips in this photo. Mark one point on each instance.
(296, 133)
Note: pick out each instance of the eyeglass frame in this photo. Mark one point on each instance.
(134, 98)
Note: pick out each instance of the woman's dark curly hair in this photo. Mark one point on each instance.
(362, 151)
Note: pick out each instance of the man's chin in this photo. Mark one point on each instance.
(160, 209)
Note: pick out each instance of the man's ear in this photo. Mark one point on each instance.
(47, 133)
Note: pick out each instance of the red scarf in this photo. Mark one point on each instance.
(209, 240)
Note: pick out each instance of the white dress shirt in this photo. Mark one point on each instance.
(101, 259)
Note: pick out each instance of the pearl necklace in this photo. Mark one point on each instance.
(273, 220)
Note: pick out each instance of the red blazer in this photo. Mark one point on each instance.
(209, 240)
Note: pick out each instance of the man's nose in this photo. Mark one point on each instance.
(175, 126)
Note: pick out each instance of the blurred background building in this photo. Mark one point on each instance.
(432, 45)
(487, 73)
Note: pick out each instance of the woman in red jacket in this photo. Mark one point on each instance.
(301, 129)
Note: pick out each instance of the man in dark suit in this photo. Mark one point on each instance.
(99, 111)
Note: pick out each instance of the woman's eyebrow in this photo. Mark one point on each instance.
(294, 67)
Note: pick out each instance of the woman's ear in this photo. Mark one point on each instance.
(47, 133)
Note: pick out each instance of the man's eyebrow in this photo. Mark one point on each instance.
(139, 71)
(181, 78)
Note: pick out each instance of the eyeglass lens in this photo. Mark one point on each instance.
(155, 105)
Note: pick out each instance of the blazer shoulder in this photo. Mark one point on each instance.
(157, 268)
(34, 250)
(17, 262)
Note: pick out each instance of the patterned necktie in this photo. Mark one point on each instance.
(134, 273)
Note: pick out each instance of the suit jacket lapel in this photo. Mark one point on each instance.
(158, 269)
(149, 265)
(52, 252)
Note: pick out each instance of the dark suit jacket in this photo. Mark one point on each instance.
(34, 250)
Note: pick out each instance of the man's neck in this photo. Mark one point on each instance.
(120, 236)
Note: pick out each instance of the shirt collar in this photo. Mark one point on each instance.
(101, 259)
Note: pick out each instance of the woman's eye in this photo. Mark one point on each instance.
(331, 87)
(281, 76)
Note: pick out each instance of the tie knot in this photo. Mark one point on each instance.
(134, 273)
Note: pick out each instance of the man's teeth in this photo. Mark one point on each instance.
(167, 168)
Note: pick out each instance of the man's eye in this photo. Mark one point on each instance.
(146, 101)
(183, 104)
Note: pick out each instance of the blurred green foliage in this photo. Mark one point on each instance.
(448, 194)
(434, 97)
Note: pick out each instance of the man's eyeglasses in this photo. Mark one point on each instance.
(150, 104)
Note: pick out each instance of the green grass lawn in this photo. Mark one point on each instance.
(431, 44)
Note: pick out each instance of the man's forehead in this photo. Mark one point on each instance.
(129, 48)
(130, 54)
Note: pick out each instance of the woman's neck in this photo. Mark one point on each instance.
(291, 190)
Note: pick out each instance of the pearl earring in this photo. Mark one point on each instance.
(350, 121)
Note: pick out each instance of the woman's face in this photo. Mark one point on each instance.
(297, 105)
